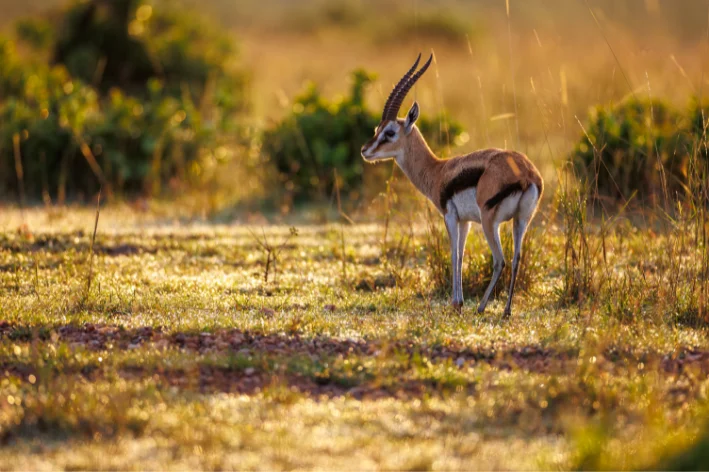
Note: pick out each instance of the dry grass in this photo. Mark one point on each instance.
(556, 60)
(181, 356)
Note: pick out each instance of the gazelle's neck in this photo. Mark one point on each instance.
(420, 165)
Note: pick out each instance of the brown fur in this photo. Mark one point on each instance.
(431, 174)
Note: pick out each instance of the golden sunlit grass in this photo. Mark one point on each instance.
(182, 356)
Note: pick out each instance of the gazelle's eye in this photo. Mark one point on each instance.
(390, 133)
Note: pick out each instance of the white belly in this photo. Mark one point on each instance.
(466, 205)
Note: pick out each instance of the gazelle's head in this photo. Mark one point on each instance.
(390, 136)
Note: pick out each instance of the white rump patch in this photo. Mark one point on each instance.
(519, 203)
(507, 208)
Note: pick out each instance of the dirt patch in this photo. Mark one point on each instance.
(214, 379)
(532, 358)
(78, 242)
(123, 250)
(371, 284)
(209, 379)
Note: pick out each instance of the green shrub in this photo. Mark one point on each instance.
(394, 21)
(124, 43)
(695, 456)
(321, 136)
(698, 124)
(322, 15)
(433, 25)
(136, 98)
(35, 32)
(47, 118)
(143, 143)
(627, 147)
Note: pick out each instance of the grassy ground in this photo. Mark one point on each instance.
(180, 355)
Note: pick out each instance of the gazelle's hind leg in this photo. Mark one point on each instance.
(525, 213)
(518, 229)
(491, 228)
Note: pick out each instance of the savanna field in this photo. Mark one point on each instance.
(249, 294)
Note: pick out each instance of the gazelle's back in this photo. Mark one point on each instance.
(494, 173)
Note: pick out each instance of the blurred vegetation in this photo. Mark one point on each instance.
(124, 43)
(184, 79)
(126, 94)
(435, 24)
(693, 457)
(698, 123)
(320, 137)
(639, 148)
(395, 21)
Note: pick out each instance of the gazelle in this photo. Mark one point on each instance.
(488, 186)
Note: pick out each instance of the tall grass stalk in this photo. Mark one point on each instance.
(19, 170)
(578, 267)
(90, 275)
(344, 216)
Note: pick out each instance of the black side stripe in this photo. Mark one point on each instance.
(466, 179)
(505, 192)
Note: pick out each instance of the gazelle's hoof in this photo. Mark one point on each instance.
(457, 305)
(506, 314)
(481, 310)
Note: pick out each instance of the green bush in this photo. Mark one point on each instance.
(695, 456)
(36, 32)
(136, 97)
(322, 136)
(124, 43)
(46, 118)
(698, 124)
(627, 147)
(433, 25)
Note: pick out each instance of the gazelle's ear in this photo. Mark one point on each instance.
(411, 117)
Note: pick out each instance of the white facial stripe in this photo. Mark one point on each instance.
(398, 154)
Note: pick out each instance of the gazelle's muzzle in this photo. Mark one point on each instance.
(367, 151)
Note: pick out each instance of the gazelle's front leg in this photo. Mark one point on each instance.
(451, 219)
(463, 230)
